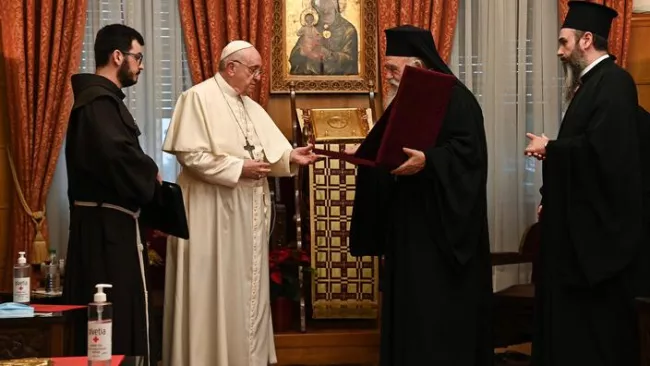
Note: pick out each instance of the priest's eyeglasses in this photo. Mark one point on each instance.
(136, 56)
(255, 71)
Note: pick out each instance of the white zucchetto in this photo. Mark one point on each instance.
(233, 47)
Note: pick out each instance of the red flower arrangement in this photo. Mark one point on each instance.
(283, 267)
(157, 246)
(156, 249)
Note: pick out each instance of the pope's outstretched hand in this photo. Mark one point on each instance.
(304, 155)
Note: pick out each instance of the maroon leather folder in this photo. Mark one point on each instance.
(412, 120)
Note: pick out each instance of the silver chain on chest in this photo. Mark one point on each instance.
(243, 115)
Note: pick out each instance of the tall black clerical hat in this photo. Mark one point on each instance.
(590, 17)
(411, 41)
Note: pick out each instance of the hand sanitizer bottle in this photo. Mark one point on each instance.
(100, 326)
(22, 283)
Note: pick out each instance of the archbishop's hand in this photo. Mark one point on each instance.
(413, 165)
(254, 169)
(304, 155)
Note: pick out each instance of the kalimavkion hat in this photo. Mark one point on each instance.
(590, 17)
(410, 41)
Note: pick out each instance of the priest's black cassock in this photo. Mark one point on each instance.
(432, 229)
(594, 255)
(106, 165)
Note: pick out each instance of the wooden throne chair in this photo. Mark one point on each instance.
(342, 288)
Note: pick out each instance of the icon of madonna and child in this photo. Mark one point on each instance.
(328, 44)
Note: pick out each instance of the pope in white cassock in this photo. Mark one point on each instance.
(217, 306)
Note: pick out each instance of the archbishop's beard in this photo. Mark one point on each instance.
(573, 66)
(393, 85)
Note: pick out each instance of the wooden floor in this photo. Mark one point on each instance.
(328, 347)
(339, 347)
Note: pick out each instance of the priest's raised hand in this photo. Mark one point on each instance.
(537, 146)
(303, 155)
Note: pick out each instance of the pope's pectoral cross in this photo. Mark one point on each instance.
(250, 148)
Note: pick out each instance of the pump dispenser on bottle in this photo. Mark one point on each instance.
(100, 316)
(22, 283)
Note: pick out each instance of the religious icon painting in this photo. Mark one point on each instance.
(323, 46)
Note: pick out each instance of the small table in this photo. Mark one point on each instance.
(74, 361)
(117, 360)
(39, 336)
(35, 298)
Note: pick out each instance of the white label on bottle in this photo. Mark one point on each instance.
(99, 341)
(21, 289)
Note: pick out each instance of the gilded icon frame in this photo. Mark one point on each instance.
(284, 40)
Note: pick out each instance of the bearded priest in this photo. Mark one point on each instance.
(593, 257)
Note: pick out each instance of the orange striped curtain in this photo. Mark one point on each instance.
(41, 46)
(209, 25)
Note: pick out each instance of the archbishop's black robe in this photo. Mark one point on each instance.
(593, 250)
(105, 164)
(432, 229)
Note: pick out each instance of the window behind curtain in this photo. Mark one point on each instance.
(504, 51)
(166, 73)
(151, 100)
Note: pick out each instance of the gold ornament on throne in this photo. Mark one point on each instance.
(335, 124)
(344, 287)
